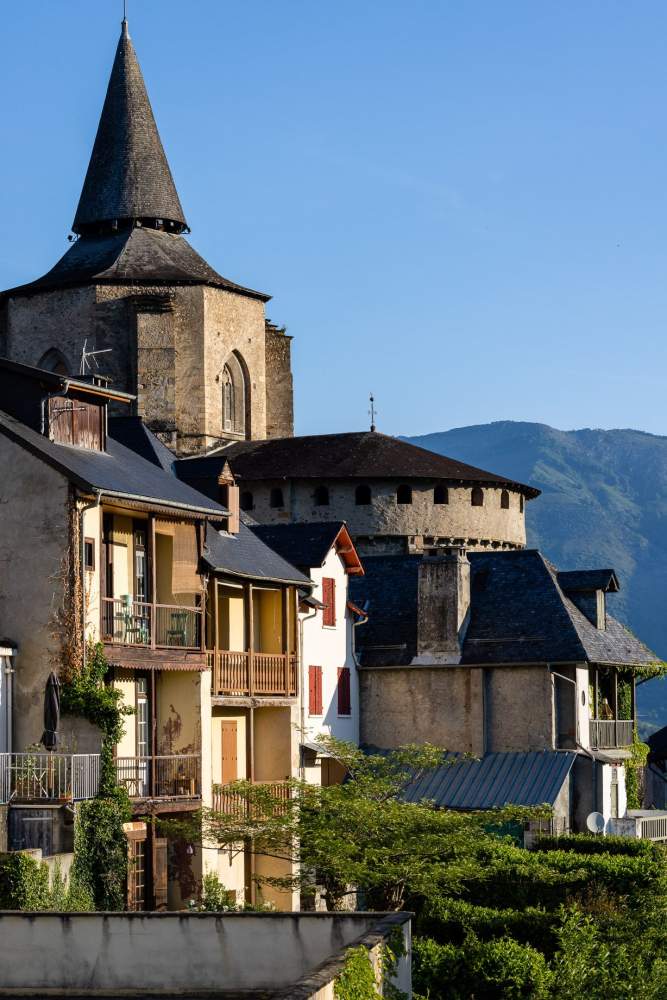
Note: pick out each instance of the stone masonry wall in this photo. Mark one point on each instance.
(477, 527)
(519, 709)
(279, 383)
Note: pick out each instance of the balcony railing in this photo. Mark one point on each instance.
(175, 776)
(647, 824)
(229, 802)
(48, 777)
(137, 623)
(263, 674)
(606, 734)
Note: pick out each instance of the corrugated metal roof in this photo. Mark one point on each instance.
(496, 780)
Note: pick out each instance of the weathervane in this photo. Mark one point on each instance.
(372, 413)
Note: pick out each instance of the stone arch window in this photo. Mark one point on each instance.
(54, 361)
(477, 497)
(234, 396)
(521, 503)
(246, 500)
(404, 494)
(276, 499)
(440, 494)
(362, 495)
(505, 500)
(321, 496)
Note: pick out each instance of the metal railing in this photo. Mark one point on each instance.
(54, 777)
(608, 733)
(231, 803)
(652, 827)
(243, 673)
(137, 623)
(169, 776)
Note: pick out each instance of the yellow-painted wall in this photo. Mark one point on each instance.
(124, 682)
(164, 550)
(91, 529)
(178, 712)
(267, 621)
(216, 742)
(273, 744)
(231, 619)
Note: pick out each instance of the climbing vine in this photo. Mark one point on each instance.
(358, 980)
(25, 884)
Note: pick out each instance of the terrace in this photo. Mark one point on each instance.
(48, 777)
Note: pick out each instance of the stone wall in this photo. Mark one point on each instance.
(279, 383)
(35, 529)
(463, 709)
(489, 526)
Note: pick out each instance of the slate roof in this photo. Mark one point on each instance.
(518, 614)
(118, 472)
(496, 780)
(305, 545)
(366, 455)
(137, 256)
(133, 433)
(586, 580)
(128, 175)
(247, 556)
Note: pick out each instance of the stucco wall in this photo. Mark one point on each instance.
(331, 649)
(519, 709)
(34, 536)
(478, 527)
(440, 705)
(135, 953)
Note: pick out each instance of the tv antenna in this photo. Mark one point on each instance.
(85, 368)
(372, 412)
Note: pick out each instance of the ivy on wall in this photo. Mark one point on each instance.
(358, 980)
(25, 885)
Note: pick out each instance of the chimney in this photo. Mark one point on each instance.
(443, 605)
(228, 496)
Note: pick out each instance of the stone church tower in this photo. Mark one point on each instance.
(196, 349)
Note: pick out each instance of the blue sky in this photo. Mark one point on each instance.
(461, 206)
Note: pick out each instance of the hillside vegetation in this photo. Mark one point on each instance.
(603, 503)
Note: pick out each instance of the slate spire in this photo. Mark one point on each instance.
(128, 179)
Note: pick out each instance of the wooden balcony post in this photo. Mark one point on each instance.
(250, 639)
(152, 553)
(596, 694)
(285, 641)
(614, 694)
(153, 711)
(633, 699)
(215, 677)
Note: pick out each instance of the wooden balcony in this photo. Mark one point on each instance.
(176, 776)
(607, 734)
(253, 674)
(158, 626)
(48, 777)
(229, 802)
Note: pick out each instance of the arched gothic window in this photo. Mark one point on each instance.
(477, 497)
(322, 496)
(246, 500)
(505, 500)
(404, 494)
(54, 361)
(362, 495)
(440, 495)
(276, 499)
(233, 396)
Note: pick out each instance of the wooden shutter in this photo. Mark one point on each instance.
(314, 690)
(344, 701)
(160, 872)
(329, 601)
(229, 751)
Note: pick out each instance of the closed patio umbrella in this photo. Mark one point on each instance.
(51, 712)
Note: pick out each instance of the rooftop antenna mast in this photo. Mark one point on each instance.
(372, 413)
(85, 368)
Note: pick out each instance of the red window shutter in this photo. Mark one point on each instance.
(329, 600)
(344, 700)
(314, 690)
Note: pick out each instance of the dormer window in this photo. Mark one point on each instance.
(76, 422)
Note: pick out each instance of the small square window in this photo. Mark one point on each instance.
(89, 554)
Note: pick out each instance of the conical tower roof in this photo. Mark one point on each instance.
(128, 176)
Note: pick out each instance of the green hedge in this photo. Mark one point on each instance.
(452, 920)
(584, 843)
(25, 885)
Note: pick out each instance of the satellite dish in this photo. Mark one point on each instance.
(595, 822)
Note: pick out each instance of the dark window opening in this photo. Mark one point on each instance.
(505, 500)
(343, 691)
(362, 496)
(89, 554)
(477, 497)
(277, 497)
(247, 501)
(521, 503)
(404, 494)
(322, 496)
(440, 494)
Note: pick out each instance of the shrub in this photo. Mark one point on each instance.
(588, 843)
(24, 885)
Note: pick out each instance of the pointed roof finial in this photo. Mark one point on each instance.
(372, 413)
(128, 180)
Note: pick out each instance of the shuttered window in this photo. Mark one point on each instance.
(329, 601)
(314, 690)
(344, 700)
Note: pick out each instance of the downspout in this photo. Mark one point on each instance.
(89, 506)
(302, 706)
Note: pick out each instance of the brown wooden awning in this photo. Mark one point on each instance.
(127, 658)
